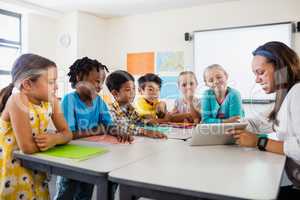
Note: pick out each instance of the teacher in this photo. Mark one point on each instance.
(277, 70)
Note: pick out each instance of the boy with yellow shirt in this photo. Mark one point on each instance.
(148, 104)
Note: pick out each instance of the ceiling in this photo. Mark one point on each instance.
(115, 8)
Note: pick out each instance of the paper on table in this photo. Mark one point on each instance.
(73, 151)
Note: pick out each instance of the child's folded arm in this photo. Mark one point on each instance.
(17, 107)
(152, 134)
(64, 135)
(181, 117)
(195, 112)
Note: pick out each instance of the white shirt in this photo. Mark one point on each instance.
(182, 107)
(288, 130)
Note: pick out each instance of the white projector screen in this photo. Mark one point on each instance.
(232, 48)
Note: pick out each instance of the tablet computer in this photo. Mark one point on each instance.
(214, 134)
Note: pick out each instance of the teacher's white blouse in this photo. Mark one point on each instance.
(288, 130)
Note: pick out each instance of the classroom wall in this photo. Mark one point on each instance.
(65, 56)
(163, 31)
(109, 40)
(87, 39)
(67, 25)
(91, 36)
(39, 35)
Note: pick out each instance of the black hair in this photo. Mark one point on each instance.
(116, 79)
(149, 77)
(26, 66)
(82, 67)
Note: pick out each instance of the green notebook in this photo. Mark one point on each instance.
(78, 152)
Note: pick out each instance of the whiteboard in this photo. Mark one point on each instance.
(232, 48)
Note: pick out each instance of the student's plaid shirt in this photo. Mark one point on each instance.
(126, 118)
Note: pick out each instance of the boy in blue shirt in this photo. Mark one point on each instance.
(83, 119)
(86, 114)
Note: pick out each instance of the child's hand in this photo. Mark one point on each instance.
(154, 134)
(151, 121)
(123, 138)
(45, 141)
(189, 118)
(161, 109)
(232, 119)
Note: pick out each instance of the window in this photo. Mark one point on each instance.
(10, 43)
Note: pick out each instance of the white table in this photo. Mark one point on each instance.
(211, 172)
(95, 170)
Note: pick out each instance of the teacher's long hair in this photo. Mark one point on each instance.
(286, 72)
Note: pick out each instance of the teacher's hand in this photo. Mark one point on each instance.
(243, 137)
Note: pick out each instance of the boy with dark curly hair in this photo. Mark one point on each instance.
(86, 114)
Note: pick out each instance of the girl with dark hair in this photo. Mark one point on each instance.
(86, 114)
(25, 114)
(277, 70)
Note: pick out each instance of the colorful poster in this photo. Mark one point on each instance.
(140, 63)
(167, 62)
